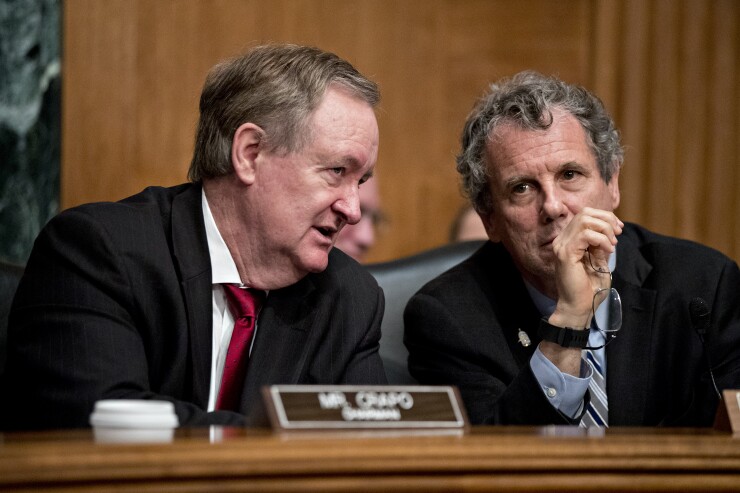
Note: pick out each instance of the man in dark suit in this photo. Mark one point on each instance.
(568, 315)
(133, 300)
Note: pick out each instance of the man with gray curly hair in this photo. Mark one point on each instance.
(569, 315)
(203, 293)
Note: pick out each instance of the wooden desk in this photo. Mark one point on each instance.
(486, 459)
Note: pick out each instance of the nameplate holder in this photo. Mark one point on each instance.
(364, 408)
(728, 412)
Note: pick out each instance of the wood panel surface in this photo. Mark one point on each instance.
(676, 97)
(487, 459)
(668, 70)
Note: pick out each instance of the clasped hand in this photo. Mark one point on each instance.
(581, 250)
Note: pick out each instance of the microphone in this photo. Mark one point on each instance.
(700, 315)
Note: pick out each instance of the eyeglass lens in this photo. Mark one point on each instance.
(608, 295)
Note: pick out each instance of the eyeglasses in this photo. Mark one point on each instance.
(606, 294)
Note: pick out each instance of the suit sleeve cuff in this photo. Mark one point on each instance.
(564, 392)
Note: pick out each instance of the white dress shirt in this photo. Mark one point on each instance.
(223, 271)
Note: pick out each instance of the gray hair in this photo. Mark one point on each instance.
(527, 100)
(276, 87)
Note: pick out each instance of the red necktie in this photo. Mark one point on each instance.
(244, 305)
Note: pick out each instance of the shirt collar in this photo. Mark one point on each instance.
(223, 268)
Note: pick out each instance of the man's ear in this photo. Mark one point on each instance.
(247, 144)
(613, 187)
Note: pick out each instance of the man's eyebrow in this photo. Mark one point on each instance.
(514, 180)
(352, 161)
(572, 164)
(345, 161)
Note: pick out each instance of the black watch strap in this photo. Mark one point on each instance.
(564, 336)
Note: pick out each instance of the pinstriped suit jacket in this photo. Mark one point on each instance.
(116, 303)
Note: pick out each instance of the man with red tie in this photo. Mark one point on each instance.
(203, 293)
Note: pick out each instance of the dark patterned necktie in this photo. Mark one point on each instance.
(244, 305)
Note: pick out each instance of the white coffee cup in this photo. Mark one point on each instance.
(133, 421)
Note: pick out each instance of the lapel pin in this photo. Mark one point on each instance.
(524, 338)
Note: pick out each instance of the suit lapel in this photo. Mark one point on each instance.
(190, 248)
(285, 329)
(520, 313)
(628, 357)
(515, 309)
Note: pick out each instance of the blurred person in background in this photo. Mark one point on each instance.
(467, 226)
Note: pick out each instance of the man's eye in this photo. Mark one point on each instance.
(521, 188)
(338, 171)
(569, 174)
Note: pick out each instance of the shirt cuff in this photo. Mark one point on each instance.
(565, 392)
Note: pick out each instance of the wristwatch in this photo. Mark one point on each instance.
(564, 336)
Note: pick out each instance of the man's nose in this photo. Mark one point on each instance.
(349, 205)
(552, 205)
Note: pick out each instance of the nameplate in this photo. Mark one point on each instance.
(728, 412)
(363, 407)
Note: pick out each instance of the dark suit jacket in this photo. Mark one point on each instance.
(116, 303)
(461, 329)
